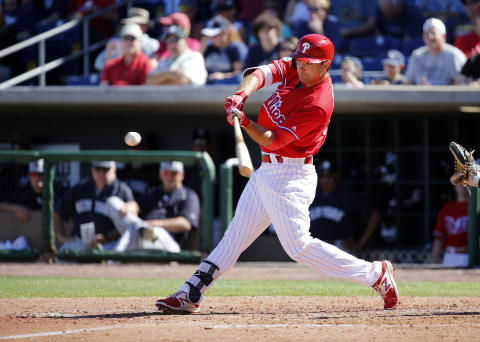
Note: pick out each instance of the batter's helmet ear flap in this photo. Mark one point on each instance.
(294, 63)
(329, 65)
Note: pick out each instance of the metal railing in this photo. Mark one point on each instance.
(40, 39)
(226, 193)
(473, 229)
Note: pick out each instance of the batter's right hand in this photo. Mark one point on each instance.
(237, 100)
(243, 120)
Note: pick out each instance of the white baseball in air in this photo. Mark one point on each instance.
(132, 138)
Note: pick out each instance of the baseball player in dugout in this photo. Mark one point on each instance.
(292, 126)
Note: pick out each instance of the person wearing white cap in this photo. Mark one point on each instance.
(113, 49)
(184, 66)
(224, 57)
(172, 207)
(94, 206)
(393, 65)
(437, 62)
(28, 198)
(170, 213)
(133, 66)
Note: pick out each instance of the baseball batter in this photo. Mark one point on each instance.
(291, 128)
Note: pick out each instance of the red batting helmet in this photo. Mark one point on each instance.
(314, 48)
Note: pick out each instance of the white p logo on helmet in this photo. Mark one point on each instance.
(305, 47)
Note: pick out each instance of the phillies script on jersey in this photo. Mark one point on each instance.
(295, 111)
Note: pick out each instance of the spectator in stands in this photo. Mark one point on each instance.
(224, 58)
(451, 231)
(296, 10)
(287, 47)
(184, 66)
(470, 7)
(355, 19)
(248, 10)
(392, 68)
(113, 48)
(318, 22)
(101, 27)
(469, 41)
(133, 66)
(436, 63)
(92, 206)
(399, 19)
(351, 71)
(177, 19)
(228, 9)
(339, 215)
(172, 206)
(15, 26)
(49, 14)
(28, 197)
(470, 73)
(271, 8)
(266, 29)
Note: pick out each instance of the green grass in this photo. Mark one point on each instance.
(56, 287)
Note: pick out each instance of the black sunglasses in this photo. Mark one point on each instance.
(128, 38)
(172, 40)
(101, 169)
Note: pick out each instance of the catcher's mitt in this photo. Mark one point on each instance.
(464, 163)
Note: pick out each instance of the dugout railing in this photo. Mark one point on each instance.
(48, 245)
(473, 231)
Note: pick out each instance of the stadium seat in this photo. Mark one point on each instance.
(372, 63)
(367, 46)
(411, 43)
(91, 79)
(373, 46)
(336, 78)
(230, 80)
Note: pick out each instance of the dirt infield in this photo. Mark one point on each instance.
(238, 318)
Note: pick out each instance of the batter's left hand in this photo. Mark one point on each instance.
(243, 120)
(237, 100)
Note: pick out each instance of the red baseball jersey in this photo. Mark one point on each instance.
(452, 224)
(467, 43)
(299, 114)
(117, 72)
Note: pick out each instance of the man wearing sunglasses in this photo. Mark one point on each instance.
(133, 66)
(88, 205)
(184, 66)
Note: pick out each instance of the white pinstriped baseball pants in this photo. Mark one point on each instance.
(281, 194)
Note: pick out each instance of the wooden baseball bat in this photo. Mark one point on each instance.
(245, 167)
